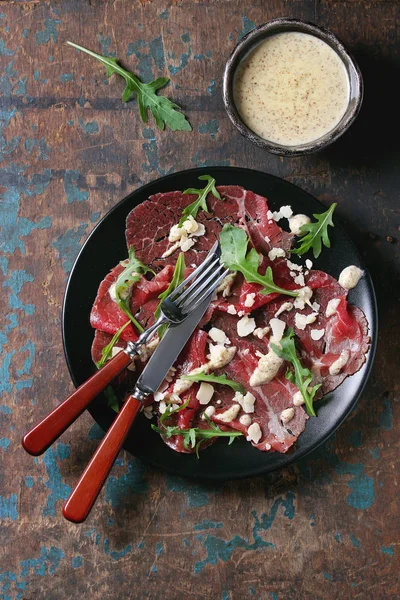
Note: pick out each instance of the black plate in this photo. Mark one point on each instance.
(106, 246)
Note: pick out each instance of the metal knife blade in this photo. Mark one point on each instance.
(168, 351)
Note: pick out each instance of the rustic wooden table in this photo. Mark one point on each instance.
(327, 527)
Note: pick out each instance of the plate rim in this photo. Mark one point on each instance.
(368, 365)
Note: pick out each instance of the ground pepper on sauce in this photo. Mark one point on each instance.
(291, 89)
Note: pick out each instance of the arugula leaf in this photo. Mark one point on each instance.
(193, 437)
(107, 350)
(301, 377)
(234, 256)
(222, 379)
(133, 271)
(201, 201)
(112, 399)
(163, 110)
(316, 234)
(176, 280)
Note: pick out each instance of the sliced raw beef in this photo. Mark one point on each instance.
(106, 314)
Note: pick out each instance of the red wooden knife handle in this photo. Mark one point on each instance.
(84, 495)
(38, 439)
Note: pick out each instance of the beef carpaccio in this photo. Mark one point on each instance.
(331, 335)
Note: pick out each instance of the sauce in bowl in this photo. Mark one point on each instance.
(291, 89)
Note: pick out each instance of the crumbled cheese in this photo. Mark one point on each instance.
(112, 292)
(210, 410)
(285, 212)
(219, 401)
(250, 299)
(205, 393)
(230, 414)
(268, 446)
(337, 366)
(270, 216)
(231, 310)
(226, 285)
(267, 239)
(181, 237)
(301, 321)
(299, 280)
(294, 266)
(245, 420)
(287, 415)
(220, 356)
(245, 351)
(309, 263)
(261, 332)
(268, 366)
(350, 276)
(284, 306)
(170, 375)
(254, 433)
(303, 298)
(259, 354)
(219, 336)
(241, 313)
(276, 253)
(245, 326)
(162, 407)
(115, 350)
(297, 221)
(246, 401)
(147, 350)
(182, 385)
(317, 334)
(278, 327)
(148, 411)
(331, 307)
(315, 306)
(298, 399)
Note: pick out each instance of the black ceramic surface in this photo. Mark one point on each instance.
(258, 35)
(105, 247)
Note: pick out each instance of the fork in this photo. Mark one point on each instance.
(173, 310)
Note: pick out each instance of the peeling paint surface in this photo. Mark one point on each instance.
(324, 528)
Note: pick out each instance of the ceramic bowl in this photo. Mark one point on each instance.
(258, 35)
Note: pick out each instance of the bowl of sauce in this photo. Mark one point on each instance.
(291, 87)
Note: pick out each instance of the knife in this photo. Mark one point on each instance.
(84, 495)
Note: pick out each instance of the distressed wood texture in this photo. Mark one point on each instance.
(325, 528)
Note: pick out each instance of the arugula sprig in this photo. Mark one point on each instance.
(133, 271)
(222, 379)
(107, 350)
(176, 280)
(301, 376)
(234, 256)
(316, 234)
(193, 437)
(201, 201)
(163, 110)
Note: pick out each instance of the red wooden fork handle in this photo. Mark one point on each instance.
(38, 439)
(82, 498)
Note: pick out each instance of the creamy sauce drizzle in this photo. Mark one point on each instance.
(291, 89)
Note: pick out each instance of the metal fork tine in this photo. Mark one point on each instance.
(196, 272)
(205, 285)
(196, 283)
(211, 288)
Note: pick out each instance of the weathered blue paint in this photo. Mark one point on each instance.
(47, 563)
(209, 162)
(29, 481)
(68, 246)
(388, 550)
(4, 443)
(248, 25)
(164, 14)
(386, 416)
(211, 127)
(207, 525)
(36, 75)
(65, 77)
(4, 51)
(50, 31)
(327, 576)
(150, 149)
(9, 507)
(58, 489)
(184, 57)
(355, 541)
(95, 216)
(131, 482)
(149, 54)
(116, 555)
(73, 186)
(95, 432)
(196, 495)
(159, 548)
(76, 562)
(40, 144)
(15, 282)
(225, 595)
(356, 439)
(252, 590)
(105, 43)
(374, 453)
(273, 596)
(90, 127)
